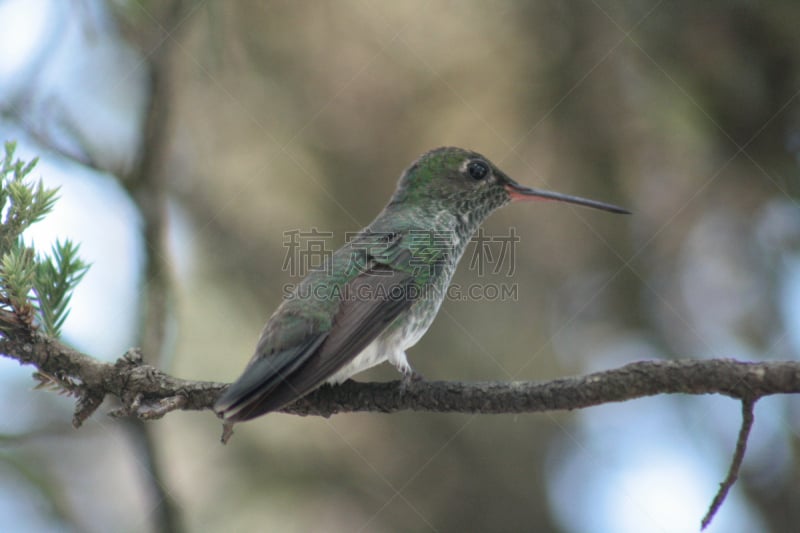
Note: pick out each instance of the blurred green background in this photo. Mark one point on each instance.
(198, 133)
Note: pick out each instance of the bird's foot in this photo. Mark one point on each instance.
(410, 377)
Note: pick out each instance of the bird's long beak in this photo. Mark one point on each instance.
(520, 193)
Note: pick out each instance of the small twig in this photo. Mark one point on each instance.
(736, 462)
(164, 406)
(227, 432)
(88, 402)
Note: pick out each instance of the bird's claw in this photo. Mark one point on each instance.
(409, 379)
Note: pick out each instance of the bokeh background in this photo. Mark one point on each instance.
(189, 136)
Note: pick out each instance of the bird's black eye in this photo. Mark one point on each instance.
(478, 169)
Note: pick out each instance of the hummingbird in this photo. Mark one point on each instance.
(380, 292)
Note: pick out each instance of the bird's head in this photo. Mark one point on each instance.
(466, 183)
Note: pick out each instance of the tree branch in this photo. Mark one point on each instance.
(147, 392)
(748, 417)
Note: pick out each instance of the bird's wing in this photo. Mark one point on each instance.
(369, 303)
(265, 373)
